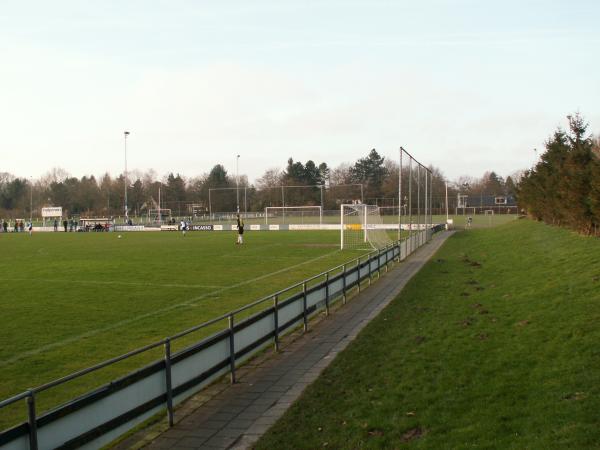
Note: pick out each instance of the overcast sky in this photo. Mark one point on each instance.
(467, 86)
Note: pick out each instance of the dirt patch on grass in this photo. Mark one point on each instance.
(412, 434)
(375, 432)
(575, 396)
(470, 262)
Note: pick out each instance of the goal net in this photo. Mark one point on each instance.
(362, 227)
(293, 214)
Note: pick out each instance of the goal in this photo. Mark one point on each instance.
(293, 214)
(362, 227)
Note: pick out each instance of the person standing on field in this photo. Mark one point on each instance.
(240, 227)
(183, 227)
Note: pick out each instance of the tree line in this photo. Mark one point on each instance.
(563, 188)
(372, 179)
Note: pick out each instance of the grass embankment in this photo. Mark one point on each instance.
(494, 344)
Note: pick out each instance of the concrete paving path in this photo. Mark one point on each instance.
(235, 416)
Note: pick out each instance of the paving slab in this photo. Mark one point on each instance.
(234, 417)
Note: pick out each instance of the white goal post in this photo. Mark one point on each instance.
(294, 214)
(361, 227)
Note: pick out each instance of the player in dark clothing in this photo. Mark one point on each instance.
(240, 227)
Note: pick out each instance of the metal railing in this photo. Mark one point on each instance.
(226, 349)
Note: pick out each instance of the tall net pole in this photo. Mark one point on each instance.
(125, 134)
(419, 234)
(400, 196)
(426, 203)
(430, 200)
(410, 203)
(418, 201)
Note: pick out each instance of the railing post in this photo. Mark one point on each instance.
(231, 350)
(378, 263)
(370, 272)
(387, 259)
(168, 381)
(358, 272)
(32, 421)
(276, 306)
(304, 315)
(344, 284)
(327, 294)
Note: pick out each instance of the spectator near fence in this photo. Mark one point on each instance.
(5, 226)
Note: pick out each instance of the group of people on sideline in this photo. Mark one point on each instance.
(18, 226)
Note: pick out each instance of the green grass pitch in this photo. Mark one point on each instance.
(71, 300)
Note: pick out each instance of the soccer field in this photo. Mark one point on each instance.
(70, 300)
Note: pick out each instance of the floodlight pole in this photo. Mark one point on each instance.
(237, 182)
(31, 201)
(125, 134)
(159, 209)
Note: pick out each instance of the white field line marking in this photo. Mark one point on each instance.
(123, 283)
(121, 323)
(270, 257)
